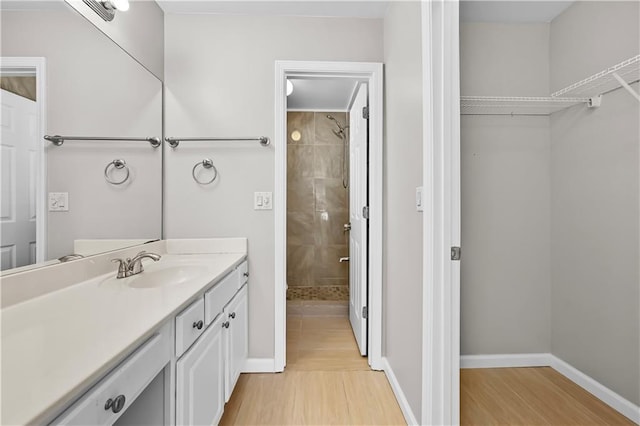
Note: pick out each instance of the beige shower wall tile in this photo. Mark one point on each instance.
(300, 228)
(300, 162)
(324, 128)
(330, 195)
(328, 229)
(300, 261)
(327, 263)
(303, 122)
(327, 161)
(300, 195)
(332, 282)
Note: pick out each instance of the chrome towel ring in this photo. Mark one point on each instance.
(207, 163)
(118, 164)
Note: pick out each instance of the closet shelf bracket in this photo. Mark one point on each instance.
(626, 86)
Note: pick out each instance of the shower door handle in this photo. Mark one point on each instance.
(344, 259)
(346, 227)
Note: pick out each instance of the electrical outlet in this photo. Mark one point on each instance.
(262, 200)
(58, 201)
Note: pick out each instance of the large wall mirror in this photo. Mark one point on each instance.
(62, 76)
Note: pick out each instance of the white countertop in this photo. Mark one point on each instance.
(56, 345)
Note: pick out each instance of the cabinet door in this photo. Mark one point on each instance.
(200, 380)
(236, 312)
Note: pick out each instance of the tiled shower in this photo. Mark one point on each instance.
(317, 208)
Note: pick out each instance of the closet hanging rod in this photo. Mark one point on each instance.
(58, 140)
(174, 142)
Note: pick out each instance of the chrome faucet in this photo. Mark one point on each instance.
(128, 267)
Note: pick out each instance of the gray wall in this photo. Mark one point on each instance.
(219, 78)
(505, 272)
(93, 88)
(402, 234)
(594, 201)
(139, 31)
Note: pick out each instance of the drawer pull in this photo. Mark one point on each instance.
(225, 324)
(116, 405)
(246, 274)
(198, 324)
(232, 315)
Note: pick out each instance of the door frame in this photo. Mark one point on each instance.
(441, 165)
(373, 74)
(37, 66)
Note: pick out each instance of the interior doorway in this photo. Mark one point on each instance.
(22, 153)
(356, 129)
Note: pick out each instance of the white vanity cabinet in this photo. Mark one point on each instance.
(184, 373)
(207, 372)
(200, 379)
(104, 403)
(236, 339)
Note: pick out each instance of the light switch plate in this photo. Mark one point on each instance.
(419, 200)
(58, 201)
(263, 201)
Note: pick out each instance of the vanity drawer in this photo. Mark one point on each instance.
(243, 273)
(189, 326)
(220, 295)
(122, 386)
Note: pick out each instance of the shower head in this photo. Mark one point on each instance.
(341, 127)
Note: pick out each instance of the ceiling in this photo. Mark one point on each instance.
(470, 10)
(511, 11)
(316, 8)
(321, 94)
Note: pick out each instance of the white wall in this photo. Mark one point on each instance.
(402, 254)
(505, 271)
(139, 31)
(595, 201)
(93, 89)
(219, 76)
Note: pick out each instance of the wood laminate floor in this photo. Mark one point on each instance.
(529, 396)
(326, 382)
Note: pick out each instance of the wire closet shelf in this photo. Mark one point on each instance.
(587, 92)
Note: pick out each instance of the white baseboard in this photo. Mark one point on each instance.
(606, 395)
(259, 365)
(505, 360)
(409, 417)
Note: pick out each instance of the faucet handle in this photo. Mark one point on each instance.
(122, 267)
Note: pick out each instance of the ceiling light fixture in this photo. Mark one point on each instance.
(106, 9)
(289, 87)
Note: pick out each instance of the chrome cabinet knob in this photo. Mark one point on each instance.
(344, 259)
(346, 227)
(232, 315)
(116, 405)
(198, 325)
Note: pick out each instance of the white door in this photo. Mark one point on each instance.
(200, 379)
(237, 342)
(358, 200)
(18, 157)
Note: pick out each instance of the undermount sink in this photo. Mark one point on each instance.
(161, 277)
(172, 275)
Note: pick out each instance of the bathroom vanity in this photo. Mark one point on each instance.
(165, 346)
